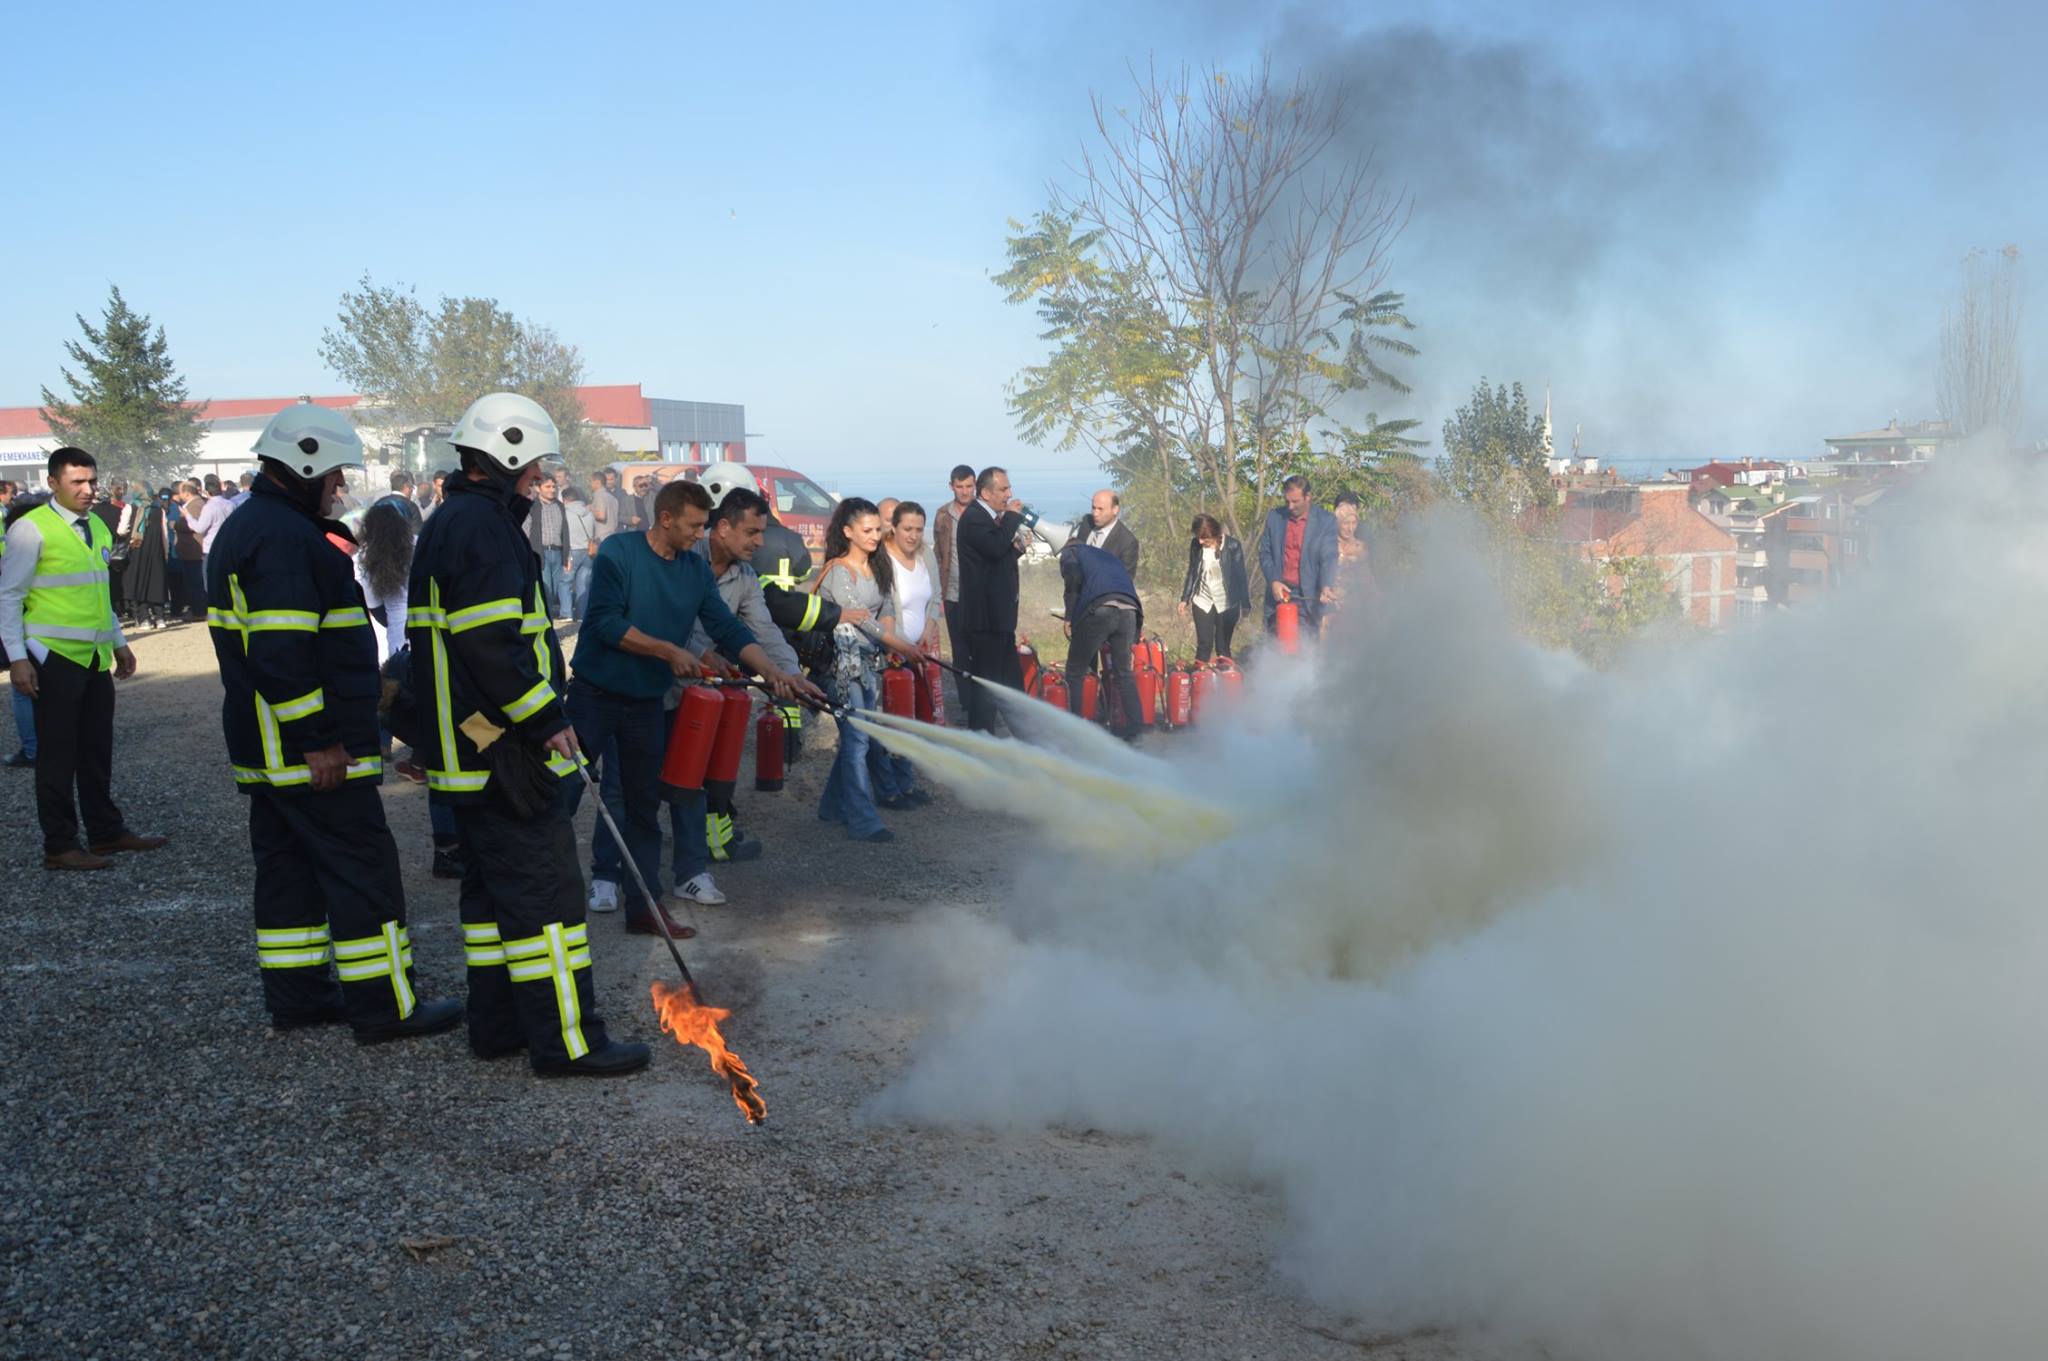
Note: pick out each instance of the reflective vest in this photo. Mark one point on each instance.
(70, 605)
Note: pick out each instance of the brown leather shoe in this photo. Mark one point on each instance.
(643, 925)
(75, 859)
(129, 841)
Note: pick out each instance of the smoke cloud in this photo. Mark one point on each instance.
(1692, 1009)
(1542, 200)
(1714, 231)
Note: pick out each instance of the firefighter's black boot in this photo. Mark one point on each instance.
(616, 1059)
(448, 863)
(428, 1018)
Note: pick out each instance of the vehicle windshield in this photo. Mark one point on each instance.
(796, 495)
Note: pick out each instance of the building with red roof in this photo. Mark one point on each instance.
(643, 427)
(1655, 520)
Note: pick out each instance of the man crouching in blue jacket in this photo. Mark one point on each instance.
(1102, 611)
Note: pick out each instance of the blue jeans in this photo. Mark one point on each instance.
(25, 723)
(578, 577)
(625, 733)
(441, 817)
(552, 561)
(891, 776)
(686, 825)
(848, 796)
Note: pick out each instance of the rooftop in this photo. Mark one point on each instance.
(618, 404)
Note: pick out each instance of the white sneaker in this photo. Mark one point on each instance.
(701, 890)
(604, 896)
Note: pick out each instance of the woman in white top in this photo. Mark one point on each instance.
(919, 603)
(1215, 590)
(383, 566)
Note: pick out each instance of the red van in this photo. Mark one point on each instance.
(800, 503)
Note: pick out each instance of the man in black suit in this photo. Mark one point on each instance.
(989, 545)
(1110, 533)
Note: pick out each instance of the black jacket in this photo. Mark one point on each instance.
(988, 569)
(298, 662)
(782, 559)
(1237, 587)
(1124, 544)
(484, 652)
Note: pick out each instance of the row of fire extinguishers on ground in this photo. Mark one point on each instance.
(1170, 694)
(708, 736)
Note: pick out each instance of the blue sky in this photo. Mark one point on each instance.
(797, 207)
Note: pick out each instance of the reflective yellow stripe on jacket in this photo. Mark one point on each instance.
(275, 772)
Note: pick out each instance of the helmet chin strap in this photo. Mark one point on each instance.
(308, 496)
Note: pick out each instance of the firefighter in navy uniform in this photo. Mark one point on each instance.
(298, 664)
(489, 679)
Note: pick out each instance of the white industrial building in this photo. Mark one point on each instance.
(642, 427)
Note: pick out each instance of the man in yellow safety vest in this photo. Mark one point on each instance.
(57, 617)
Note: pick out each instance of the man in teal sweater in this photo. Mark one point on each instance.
(647, 592)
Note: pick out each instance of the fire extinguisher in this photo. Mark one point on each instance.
(1229, 680)
(1202, 694)
(925, 701)
(899, 693)
(1052, 686)
(935, 686)
(1155, 652)
(768, 750)
(691, 736)
(1287, 627)
(1091, 696)
(1027, 667)
(1148, 696)
(722, 771)
(1180, 699)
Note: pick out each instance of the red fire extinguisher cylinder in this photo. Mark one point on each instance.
(691, 736)
(899, 693)
(768, 751)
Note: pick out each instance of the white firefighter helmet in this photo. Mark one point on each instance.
(312, 441)
(720, 478)
(510, 430)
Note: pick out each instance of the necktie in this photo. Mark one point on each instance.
(84, 530)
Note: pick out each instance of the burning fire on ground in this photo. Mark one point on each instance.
(691, 1022)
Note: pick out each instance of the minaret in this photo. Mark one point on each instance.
(1549, 449)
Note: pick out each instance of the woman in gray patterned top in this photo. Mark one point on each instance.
(856, 578)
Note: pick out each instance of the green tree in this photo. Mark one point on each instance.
(423, 366)
(128, 407)
(1204, 282)
(1110, 381)
(1493, 452)
(1380, 463)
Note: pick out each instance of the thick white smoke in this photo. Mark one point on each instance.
(1696, 1009)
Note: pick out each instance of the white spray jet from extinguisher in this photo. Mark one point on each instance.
(1080, 803)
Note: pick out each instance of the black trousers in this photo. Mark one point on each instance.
(327, 882)
(1105, 626)
(75, 750)
(990, 657)
(523, 935)
(956, 640)
(1212, 631)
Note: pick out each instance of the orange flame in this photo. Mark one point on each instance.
(691, 1022)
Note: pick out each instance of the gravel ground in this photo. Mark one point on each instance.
(180, 1181)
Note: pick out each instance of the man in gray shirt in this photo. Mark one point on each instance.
(604, 507)
(729, 543)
